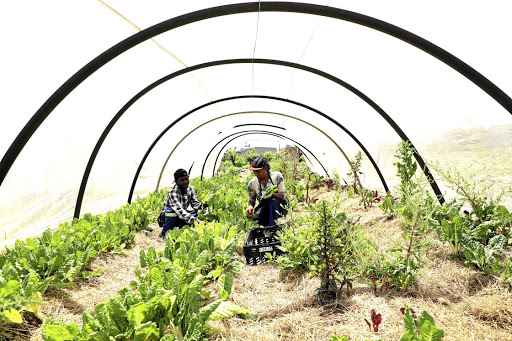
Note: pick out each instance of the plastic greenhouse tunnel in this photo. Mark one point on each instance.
(402, 109)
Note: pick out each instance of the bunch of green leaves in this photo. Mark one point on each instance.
(483, 207)
(479, 235)
(165, 307)
(111, 232)
(169, 301)
(137, 214)
(270, 190)
(187, 316)
(295, 242)
(406, 168)
(60, 255)
(19, 295)
(57, 258)
(202, 250)
(506, 272)
(484, 257)
(388, 205)
(153, 203)
(367, 197)
(421, 329)
(226, 195)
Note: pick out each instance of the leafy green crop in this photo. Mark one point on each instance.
(202, 249)
(271, 190)
(484, 256)
(169, 301)
(226, 196)
(18, 295)
(421, 329)
(58, 257)
(507, 272)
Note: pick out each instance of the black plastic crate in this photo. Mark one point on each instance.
(260, 242)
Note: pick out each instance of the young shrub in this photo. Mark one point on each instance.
(479, 235)
(331, 249)
(355, 171)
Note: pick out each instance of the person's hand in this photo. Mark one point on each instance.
(197, 221)
(249, 211)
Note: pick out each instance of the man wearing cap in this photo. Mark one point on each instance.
(180, 197)
(271, 205)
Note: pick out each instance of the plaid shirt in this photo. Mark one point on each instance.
(179, 202)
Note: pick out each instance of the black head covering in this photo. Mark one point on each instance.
(179, 173)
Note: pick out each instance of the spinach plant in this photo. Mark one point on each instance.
(169, 301)
(421, 329)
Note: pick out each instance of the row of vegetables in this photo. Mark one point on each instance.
(170, 293)
(171, 300)
(57, 258)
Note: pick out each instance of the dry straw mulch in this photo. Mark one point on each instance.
(467, 305)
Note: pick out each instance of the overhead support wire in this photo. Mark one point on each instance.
(254, 47)
(161, 47)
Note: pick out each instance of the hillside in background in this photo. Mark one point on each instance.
(481, 154)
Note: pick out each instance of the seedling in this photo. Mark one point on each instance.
(376, 320)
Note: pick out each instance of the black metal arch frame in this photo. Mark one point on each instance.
(42, 113)
(168, 77)
(141, 163)
(255, 132)
(242, 113)
(245, 131)
(258, 132)
(258, 124)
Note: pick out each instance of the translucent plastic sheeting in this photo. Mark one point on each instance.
(439, 110)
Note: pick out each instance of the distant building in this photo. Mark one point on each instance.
(259, 150)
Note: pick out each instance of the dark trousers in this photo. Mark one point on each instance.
(172, 221)
(268, 211)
